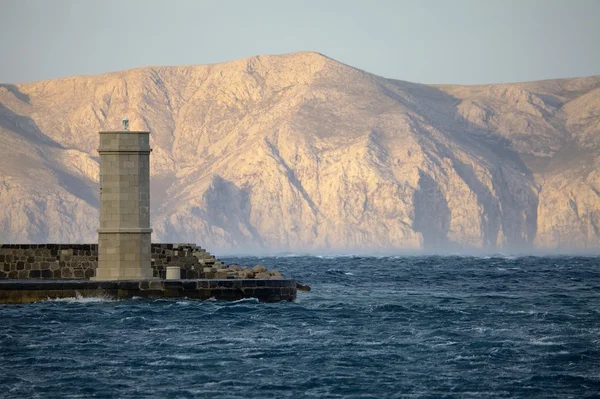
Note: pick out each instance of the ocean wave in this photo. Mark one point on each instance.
(246, 300)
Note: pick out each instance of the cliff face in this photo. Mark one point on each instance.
(300, 152)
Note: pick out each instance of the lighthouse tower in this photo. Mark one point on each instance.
(124, 236)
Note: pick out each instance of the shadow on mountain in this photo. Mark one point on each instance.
(228, 207)
(505, 211)
(25, 127)
(159, 190)
(17, 93)
(432, 215)
(492, 221)
(77, 186)
(291, 176)
(440, 110)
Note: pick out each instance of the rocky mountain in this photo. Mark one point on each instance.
(299, 152)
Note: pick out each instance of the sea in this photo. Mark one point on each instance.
(371, 327)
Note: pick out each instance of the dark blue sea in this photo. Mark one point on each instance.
(389, 327)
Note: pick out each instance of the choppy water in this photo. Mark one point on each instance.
(371, 327)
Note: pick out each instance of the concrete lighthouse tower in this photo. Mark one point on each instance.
(124, 236)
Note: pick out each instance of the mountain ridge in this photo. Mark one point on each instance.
(299, 151)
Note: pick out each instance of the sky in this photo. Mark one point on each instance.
(425, 41)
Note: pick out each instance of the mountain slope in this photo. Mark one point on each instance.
(300, 152)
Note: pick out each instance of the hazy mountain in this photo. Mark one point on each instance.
(300, 152)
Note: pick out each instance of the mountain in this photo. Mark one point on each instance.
(299, 152)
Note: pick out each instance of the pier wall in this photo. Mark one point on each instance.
(79, 261)
(28, 291)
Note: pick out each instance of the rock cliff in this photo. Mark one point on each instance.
(299, 152)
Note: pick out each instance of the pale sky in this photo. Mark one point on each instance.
(427, 41)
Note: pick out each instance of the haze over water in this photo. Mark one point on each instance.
(371, 327)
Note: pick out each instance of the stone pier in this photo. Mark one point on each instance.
(124, 236)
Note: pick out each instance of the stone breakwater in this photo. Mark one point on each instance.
(79, 261)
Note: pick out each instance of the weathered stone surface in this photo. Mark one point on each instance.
(259, 269)
(85, 259)
(275, 275)
(245, 273)
(223, 273)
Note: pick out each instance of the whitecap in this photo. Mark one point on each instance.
(449, 343)
(318, 332)
(545, 341)
(335, 271)
(129, 318)
(167, 328)
(160, 363)
(470, 357)
(181, 357)
(272, 326)
(246, 300)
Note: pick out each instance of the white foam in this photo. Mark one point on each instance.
(273, 327)
(247, 300)
(312, 332)
(181, 357)
(543, 342)
(468, 357)
(449, 343)
(81, 299)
